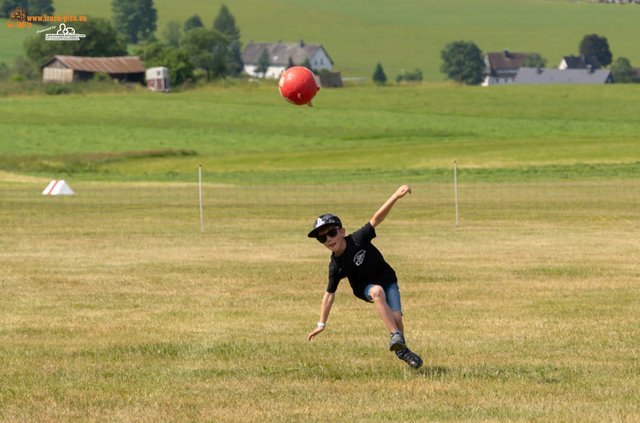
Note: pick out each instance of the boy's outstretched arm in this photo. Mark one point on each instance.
(327, 302)
(386, 207)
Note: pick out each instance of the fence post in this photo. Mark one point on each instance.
(200, 192)
(455, 185)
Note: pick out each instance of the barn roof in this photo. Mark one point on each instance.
(118, 64)
(279, 53)
(562, 76)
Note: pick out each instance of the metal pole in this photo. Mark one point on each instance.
(455, 184)
(200, 190)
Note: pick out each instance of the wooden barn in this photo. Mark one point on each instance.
(75, 68)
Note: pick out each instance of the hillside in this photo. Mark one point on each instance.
(402, 34)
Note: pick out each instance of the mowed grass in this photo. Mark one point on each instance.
(116, 308)
(402, 34)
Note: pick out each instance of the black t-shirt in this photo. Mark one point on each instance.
(362, 263)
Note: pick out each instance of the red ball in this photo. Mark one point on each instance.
(298, 85)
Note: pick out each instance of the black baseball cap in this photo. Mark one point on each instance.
(324, 221)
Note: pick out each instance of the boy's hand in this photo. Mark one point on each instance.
(386, 207)
(313, 334)
(402, 191)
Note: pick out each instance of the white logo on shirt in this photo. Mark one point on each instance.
(359, 257)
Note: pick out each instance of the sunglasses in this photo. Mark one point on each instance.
(332, 233)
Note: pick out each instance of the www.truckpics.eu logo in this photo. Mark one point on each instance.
(19, 19)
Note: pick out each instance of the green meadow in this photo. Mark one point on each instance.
(401, 34)
(248, 127)
(117, 305)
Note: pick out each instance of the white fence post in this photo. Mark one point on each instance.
(455, 184)
(200, 191)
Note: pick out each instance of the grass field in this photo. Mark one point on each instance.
(115, 307)
(126, 312)
(401, 34)
(250, 128)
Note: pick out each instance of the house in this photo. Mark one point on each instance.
(533, 76)
(279, 54)
(502, 67)
(579, 62)
(76, 68)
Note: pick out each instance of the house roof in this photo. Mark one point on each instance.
(118, 64)
(504, 63)
(279, 53)
(581, 62)
(528, 76)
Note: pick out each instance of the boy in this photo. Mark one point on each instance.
(370, 276)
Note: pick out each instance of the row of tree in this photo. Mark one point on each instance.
(216, 50)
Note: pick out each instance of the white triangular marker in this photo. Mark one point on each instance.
(58, 187)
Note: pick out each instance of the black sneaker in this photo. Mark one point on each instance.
(397, 342)
(411, 358)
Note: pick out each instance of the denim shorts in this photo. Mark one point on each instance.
(391, 292)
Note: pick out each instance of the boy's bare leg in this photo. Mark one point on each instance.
(397, 316)
(380, 301)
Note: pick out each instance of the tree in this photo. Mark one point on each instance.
(4, 71)
(622, 71)
(102, 40)
(172, 34)
(593, 45)
(290, 64)
(263, 62)
(192, 22)
(306, 63)
(31, 7)
(208, 49)
(234, 59)
(225, 23)
(378, 75)
(23, 67)
(134, 18)
(176, 60)
(463, 62)
(151, 38)
(533, 60)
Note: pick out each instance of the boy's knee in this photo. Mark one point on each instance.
(377, 292)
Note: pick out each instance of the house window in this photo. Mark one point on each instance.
(321, 61)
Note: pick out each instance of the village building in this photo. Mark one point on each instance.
(535, 76)
(279, 55)
(76, 68)
(502, 67)
(579, 62)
